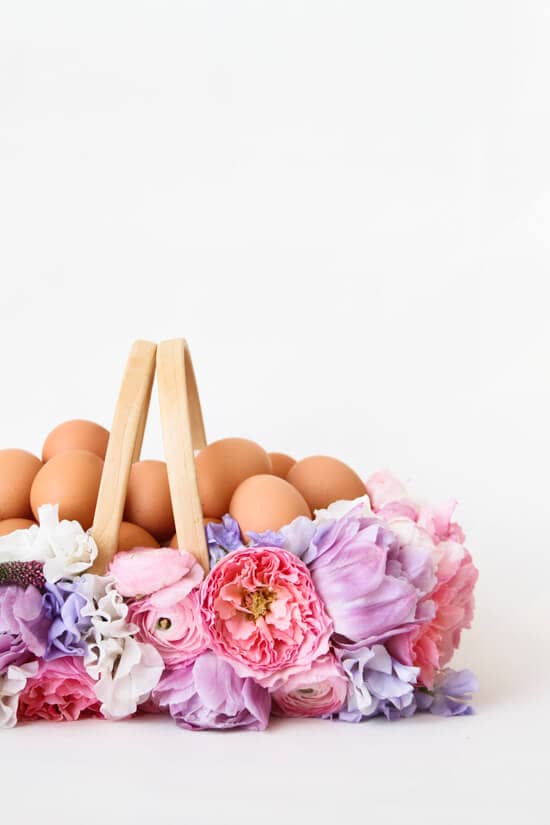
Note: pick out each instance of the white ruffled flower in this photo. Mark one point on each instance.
(65, 548)
(125, 670)
(12, 683)
(341, 508)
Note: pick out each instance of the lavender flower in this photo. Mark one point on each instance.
(451, 694)
(64, 601)
(222, 538)
(208, 694)
(23, 625)
(378, 684)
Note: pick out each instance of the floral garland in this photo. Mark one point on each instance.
(352, 615)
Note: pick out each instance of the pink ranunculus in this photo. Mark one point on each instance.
(263, 614)
(171, 621)
(60, 691)
(144, 570)
(431, 645)
(319, 691)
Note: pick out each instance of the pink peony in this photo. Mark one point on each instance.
(264, 615)
(144, 570)
(171, 621)
(60, 691)
(319, 691)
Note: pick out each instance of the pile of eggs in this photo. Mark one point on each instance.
(261, 490)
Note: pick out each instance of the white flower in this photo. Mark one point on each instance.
(12, 683)
(125, 671)
(341, 508)
(64, 547)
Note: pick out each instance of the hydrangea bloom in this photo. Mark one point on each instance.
(208, 694)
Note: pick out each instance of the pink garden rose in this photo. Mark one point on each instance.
(263, 614)
(319, 691)
(144, 570)
(60, 691)
(171, 621)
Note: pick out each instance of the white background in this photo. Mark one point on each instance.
(345, 208)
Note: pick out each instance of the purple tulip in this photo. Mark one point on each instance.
(208, 695)
(23, 625)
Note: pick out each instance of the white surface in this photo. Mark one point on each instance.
(345, 207)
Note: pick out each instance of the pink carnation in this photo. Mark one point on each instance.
(144, 570)
(319, 691)
(171, 621)
(264, 615)
(60, 691)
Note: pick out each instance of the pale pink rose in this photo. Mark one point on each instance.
(171, 621)
(263, 614)
(431, 646)
(319, 691)
(145, 570)
(60, 691)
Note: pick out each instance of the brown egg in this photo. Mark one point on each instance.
(222, 466)
(71, 480)
(76, 435)
(281, 463)
(18, 469)
(174, 539)
(10, 524)
(266, 502)
(131, 535)
(148, 499)
(322, 480)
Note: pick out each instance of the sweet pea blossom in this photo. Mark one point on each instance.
(451, 694)
(144, 570)
(207, 694)
(377, 684)
(64, 602)
(64, 547)
(319, 691)
(12, 683)
(263, 614)
(24, 625)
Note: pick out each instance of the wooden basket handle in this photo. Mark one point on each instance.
(183, 432)
(123, 449)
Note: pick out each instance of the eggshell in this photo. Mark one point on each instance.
(10, 524)
(281, 464)
(322, 480)
(18, 469)
(131, 535)
(174, 539)
(266, 502)
(222, 466)
(148, 499)
(71, 480)
(76, 435)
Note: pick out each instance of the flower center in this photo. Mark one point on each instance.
(164, 624)
(257, 602)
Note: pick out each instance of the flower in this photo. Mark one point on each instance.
(264, 615)
(384, 488)
(125, 670)
(347, 560)
(451, 694)
(64, 601)
(64, 547)
(23, 573)
(171, 621)
(319, 691)
(377, 684)
(143, 570)
(11, 685)
(23, 625)
(338, 509)
(430, 646)
(209, 695)
(222, 538)
(61, 690)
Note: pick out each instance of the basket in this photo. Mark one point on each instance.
(347, 616)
